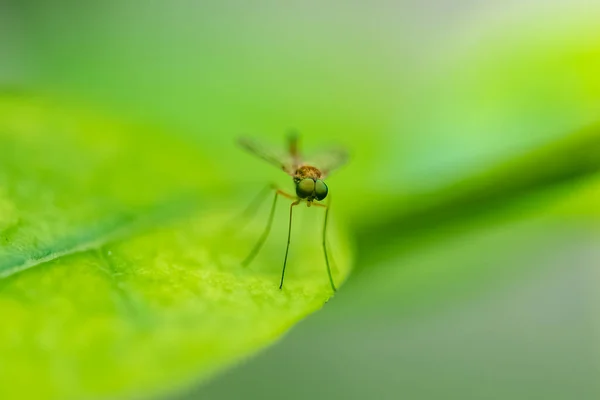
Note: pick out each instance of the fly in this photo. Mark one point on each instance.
(309, 181)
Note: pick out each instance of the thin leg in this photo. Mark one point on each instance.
(326, 207)
(239, 222)
(294, 148)
(256, 202)
(287, 249)
(265, 233)
(325, 244)
(263, 237)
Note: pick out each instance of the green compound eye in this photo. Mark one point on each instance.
(320, 189)
(305, 188)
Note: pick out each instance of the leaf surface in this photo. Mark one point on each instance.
(120, 274)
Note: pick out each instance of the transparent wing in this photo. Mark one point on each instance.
(274, 157)
(328, 160)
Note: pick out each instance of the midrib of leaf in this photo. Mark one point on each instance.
(574, 157)
(119, 226)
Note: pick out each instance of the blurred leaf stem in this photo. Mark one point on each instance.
(571, 158)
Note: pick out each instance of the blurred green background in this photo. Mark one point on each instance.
(444, 106)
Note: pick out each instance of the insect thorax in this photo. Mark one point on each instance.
(307, 171)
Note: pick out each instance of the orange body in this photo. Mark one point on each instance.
(307, 171)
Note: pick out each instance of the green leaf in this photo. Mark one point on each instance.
(120, 273)
(571, 158)
(511, 301)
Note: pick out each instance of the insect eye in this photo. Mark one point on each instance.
(320, 189)
(305, 188)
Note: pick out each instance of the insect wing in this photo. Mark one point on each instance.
(329, 160)
(272, 156)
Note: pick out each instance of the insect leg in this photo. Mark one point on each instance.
(287, 249)
(265, 233)
(325, 244)
(293, 148)
(247, 215)
(325, 241)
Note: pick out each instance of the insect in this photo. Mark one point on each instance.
(308, 178)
